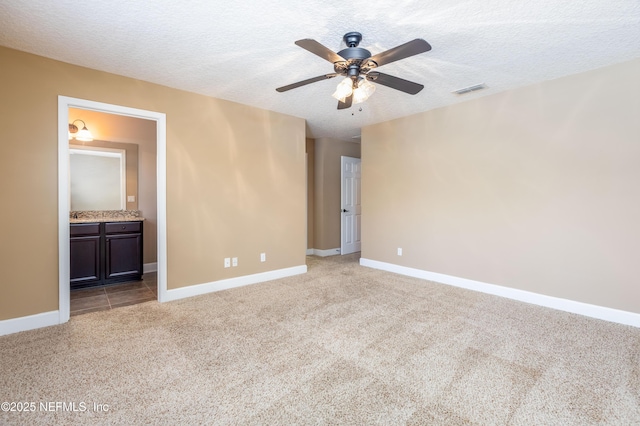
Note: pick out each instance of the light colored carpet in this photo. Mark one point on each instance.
(342, 344)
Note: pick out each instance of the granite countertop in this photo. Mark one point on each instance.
(105, 216)
(106, 219)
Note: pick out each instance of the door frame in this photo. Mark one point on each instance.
(64, 103)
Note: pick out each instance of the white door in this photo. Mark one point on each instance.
(350, 229)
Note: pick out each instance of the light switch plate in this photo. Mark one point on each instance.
(234, 261)
(131, 198)
(227, 262)
(263, 257)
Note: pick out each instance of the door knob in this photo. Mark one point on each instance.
(345, 211)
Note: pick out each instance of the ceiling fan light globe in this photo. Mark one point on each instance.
(364, 90)
(340, 96)
(344, 90)
(359, 96)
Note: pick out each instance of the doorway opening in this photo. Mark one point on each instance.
(64, 106)
(113, 180)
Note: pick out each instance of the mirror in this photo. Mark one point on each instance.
(103, 176)
(98, 178)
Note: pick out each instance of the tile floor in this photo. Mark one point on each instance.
(115, 295)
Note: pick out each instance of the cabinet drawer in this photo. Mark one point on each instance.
(122, 227)
(77, 229)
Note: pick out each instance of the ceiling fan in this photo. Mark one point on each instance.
(358, 66)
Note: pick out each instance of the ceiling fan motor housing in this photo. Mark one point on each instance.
(355, 54)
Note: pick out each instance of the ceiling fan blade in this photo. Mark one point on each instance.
(347, 102)
(320, 50)
(406, 50)
(305, 82)
(395, 82)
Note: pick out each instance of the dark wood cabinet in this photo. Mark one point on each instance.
(123, 250)
(85, 254)
(104, 253)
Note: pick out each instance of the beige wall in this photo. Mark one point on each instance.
(141, 134)
(327, 190)
(536, 189)
(235, 179)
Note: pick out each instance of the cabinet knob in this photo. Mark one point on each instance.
(124, 227)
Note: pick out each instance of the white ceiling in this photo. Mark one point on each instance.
(242, 51)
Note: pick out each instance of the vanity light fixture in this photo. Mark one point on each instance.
(83, 135)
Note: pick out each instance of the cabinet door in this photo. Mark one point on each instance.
(123, 256)
(85, 260)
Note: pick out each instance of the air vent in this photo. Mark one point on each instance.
(470, 89)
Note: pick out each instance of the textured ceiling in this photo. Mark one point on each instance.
(242, 51)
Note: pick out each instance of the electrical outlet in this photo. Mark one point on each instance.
(399, 251)
(234, 261)
(263, 257)
(227, 262)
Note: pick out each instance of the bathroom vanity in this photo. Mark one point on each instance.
(105, 250)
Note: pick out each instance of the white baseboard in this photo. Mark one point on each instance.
(150, 267)
(593, 311)
(196, 290)
(310, 252)
(324, 253)
(30, 322)
(46, 319)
